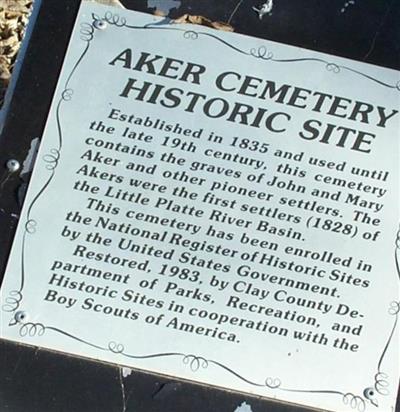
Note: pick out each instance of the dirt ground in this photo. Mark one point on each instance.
(13, 19)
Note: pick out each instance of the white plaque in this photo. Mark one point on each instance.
(218, 208)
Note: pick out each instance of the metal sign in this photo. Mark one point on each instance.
(217, 208)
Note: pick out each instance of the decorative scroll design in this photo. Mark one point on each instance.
(32, 329)
(397, 253)
(13, 300)
(381, 378)
(51, 159)
(194, 362)
(260, 52)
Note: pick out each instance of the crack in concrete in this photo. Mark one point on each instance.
(121, 381)
(377, 33)
(234, 11)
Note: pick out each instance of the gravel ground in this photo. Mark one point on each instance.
(13, 19)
